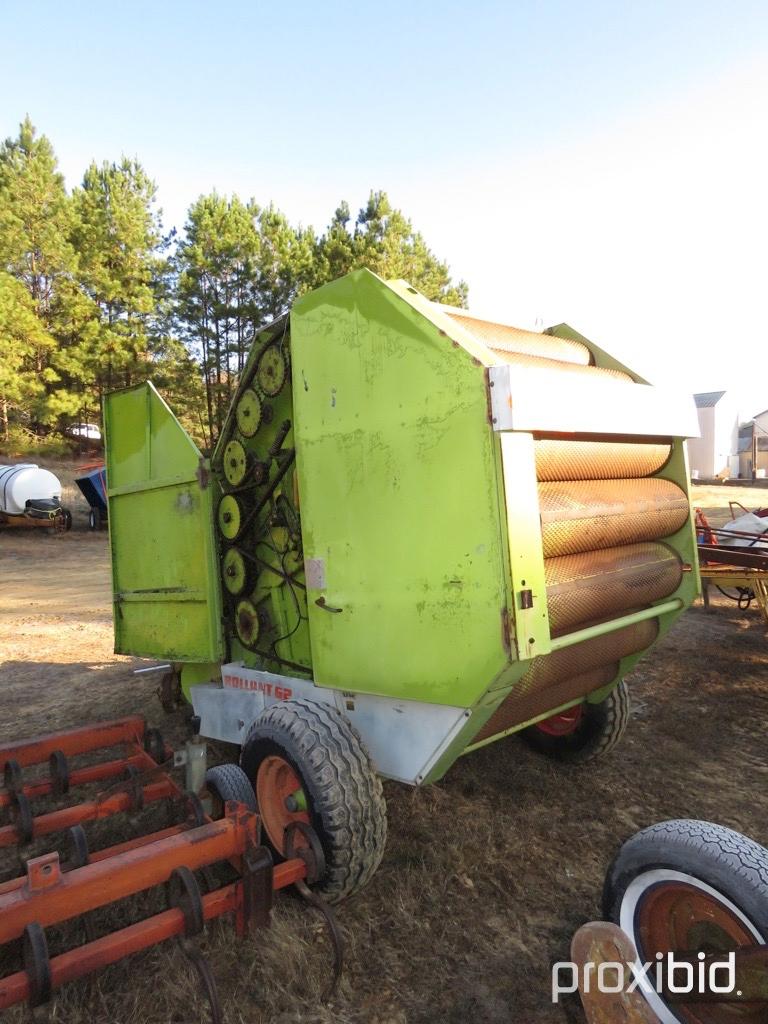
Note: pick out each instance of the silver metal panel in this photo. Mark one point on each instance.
(544, 401)
(405, 738)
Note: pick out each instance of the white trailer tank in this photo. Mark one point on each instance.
(23, 483)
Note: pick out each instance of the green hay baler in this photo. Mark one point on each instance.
(419, 532)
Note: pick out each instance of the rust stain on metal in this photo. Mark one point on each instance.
(506, 631)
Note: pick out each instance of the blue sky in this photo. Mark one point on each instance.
(600, 163)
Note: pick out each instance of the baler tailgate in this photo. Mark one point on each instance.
(164, 576)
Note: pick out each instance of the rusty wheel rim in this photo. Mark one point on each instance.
(276, 782)
(681, 914)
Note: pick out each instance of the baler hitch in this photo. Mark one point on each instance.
(52, 891)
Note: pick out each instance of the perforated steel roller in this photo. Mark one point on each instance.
(540, 371)
(516, 708)
(587, 515)
(597, 584)
(597, 460)
(573, 672)
(502, 338)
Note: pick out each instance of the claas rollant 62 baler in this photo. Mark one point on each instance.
(419, 532)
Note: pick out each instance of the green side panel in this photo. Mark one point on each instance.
(403, 536)
(164, 573)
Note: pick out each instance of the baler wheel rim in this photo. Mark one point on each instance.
(597, 731)
(276, 781)
(564, 724)
(343, 793)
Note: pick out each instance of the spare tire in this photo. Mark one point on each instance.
(690, 886)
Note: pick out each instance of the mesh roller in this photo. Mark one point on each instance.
(581, 516)
(502, 338)
(543, 368)
(597, 460)
(579, 658)
(556, 678)
(608, 583)
(517, 709)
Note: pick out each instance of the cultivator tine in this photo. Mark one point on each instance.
(37, 965)
(334, 933)
(314, 858)
(59, 773)
(207, 980)
(257, 889)
(184, 895)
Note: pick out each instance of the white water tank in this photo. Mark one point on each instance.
(25, 482)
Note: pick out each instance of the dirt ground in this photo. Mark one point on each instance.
(487, 874)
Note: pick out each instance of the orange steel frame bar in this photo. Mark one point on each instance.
(50, 896)
(126, 731)
(78, 777)
(74, 741)
(92, 810)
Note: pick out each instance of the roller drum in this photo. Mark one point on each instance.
(502, 338)
(516, 709)
(539, 371)
(579, 516)
(604, 584)
(597, 460)
(562, 676)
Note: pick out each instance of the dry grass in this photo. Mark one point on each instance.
(487, 874)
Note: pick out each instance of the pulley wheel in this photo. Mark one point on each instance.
(235, 463)
(248, 413)
(230, 517)
(271, 371)
(234, 571)
(247, 624)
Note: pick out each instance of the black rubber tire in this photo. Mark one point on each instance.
(600, 729)
(344, 795)
(732, 864)
(229, 782)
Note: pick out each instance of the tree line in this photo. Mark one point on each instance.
(95, 294)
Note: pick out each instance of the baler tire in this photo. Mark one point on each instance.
(229, 782)
(599, 731)
(721, 875)
(345, 799)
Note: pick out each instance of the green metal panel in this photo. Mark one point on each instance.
(526, 553)
(164, 573)
(397, 469)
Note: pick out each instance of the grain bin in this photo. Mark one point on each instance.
(420, 531)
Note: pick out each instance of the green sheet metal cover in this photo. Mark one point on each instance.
(164, 575)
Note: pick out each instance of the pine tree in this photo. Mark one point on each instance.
(118, 237)
(384, 241)
(36, 252)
